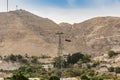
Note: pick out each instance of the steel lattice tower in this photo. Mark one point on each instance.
(60, 49)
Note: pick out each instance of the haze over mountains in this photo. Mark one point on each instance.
(22, 32)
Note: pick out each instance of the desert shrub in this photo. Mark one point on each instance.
(112, 53)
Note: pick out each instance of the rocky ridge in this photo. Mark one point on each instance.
(22, 32)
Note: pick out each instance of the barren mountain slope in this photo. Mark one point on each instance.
(22, 32)
(98, 35)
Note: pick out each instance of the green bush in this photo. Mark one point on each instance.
(74, 58)
(96, 78)
(71, 72)
(13, 57)
(34, 59)
(84, 77)
(95, 64)
(117, 69)
(86, 58)
(91, 73)
(111, 69)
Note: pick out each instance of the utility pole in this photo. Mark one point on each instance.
(60, 49)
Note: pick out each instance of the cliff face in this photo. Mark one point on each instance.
(22, 32)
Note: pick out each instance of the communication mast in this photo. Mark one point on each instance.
(16, 7)
(7, 5)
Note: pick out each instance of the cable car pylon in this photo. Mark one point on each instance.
(60, 50)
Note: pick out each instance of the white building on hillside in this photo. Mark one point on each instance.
(48, 66)
(1, 78)
(68, 79)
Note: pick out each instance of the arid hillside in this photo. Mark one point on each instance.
(98, 35)
(22, 32)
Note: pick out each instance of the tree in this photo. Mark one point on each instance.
(18, 76)
(74, 58)
(54, 78)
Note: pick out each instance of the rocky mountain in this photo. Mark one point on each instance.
(22, 32)
(66, 27)
(100, 34)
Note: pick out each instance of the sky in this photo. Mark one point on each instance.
(70, 11)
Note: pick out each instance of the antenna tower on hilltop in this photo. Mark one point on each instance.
(7, 5)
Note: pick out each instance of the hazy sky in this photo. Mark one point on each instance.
(71, 11)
